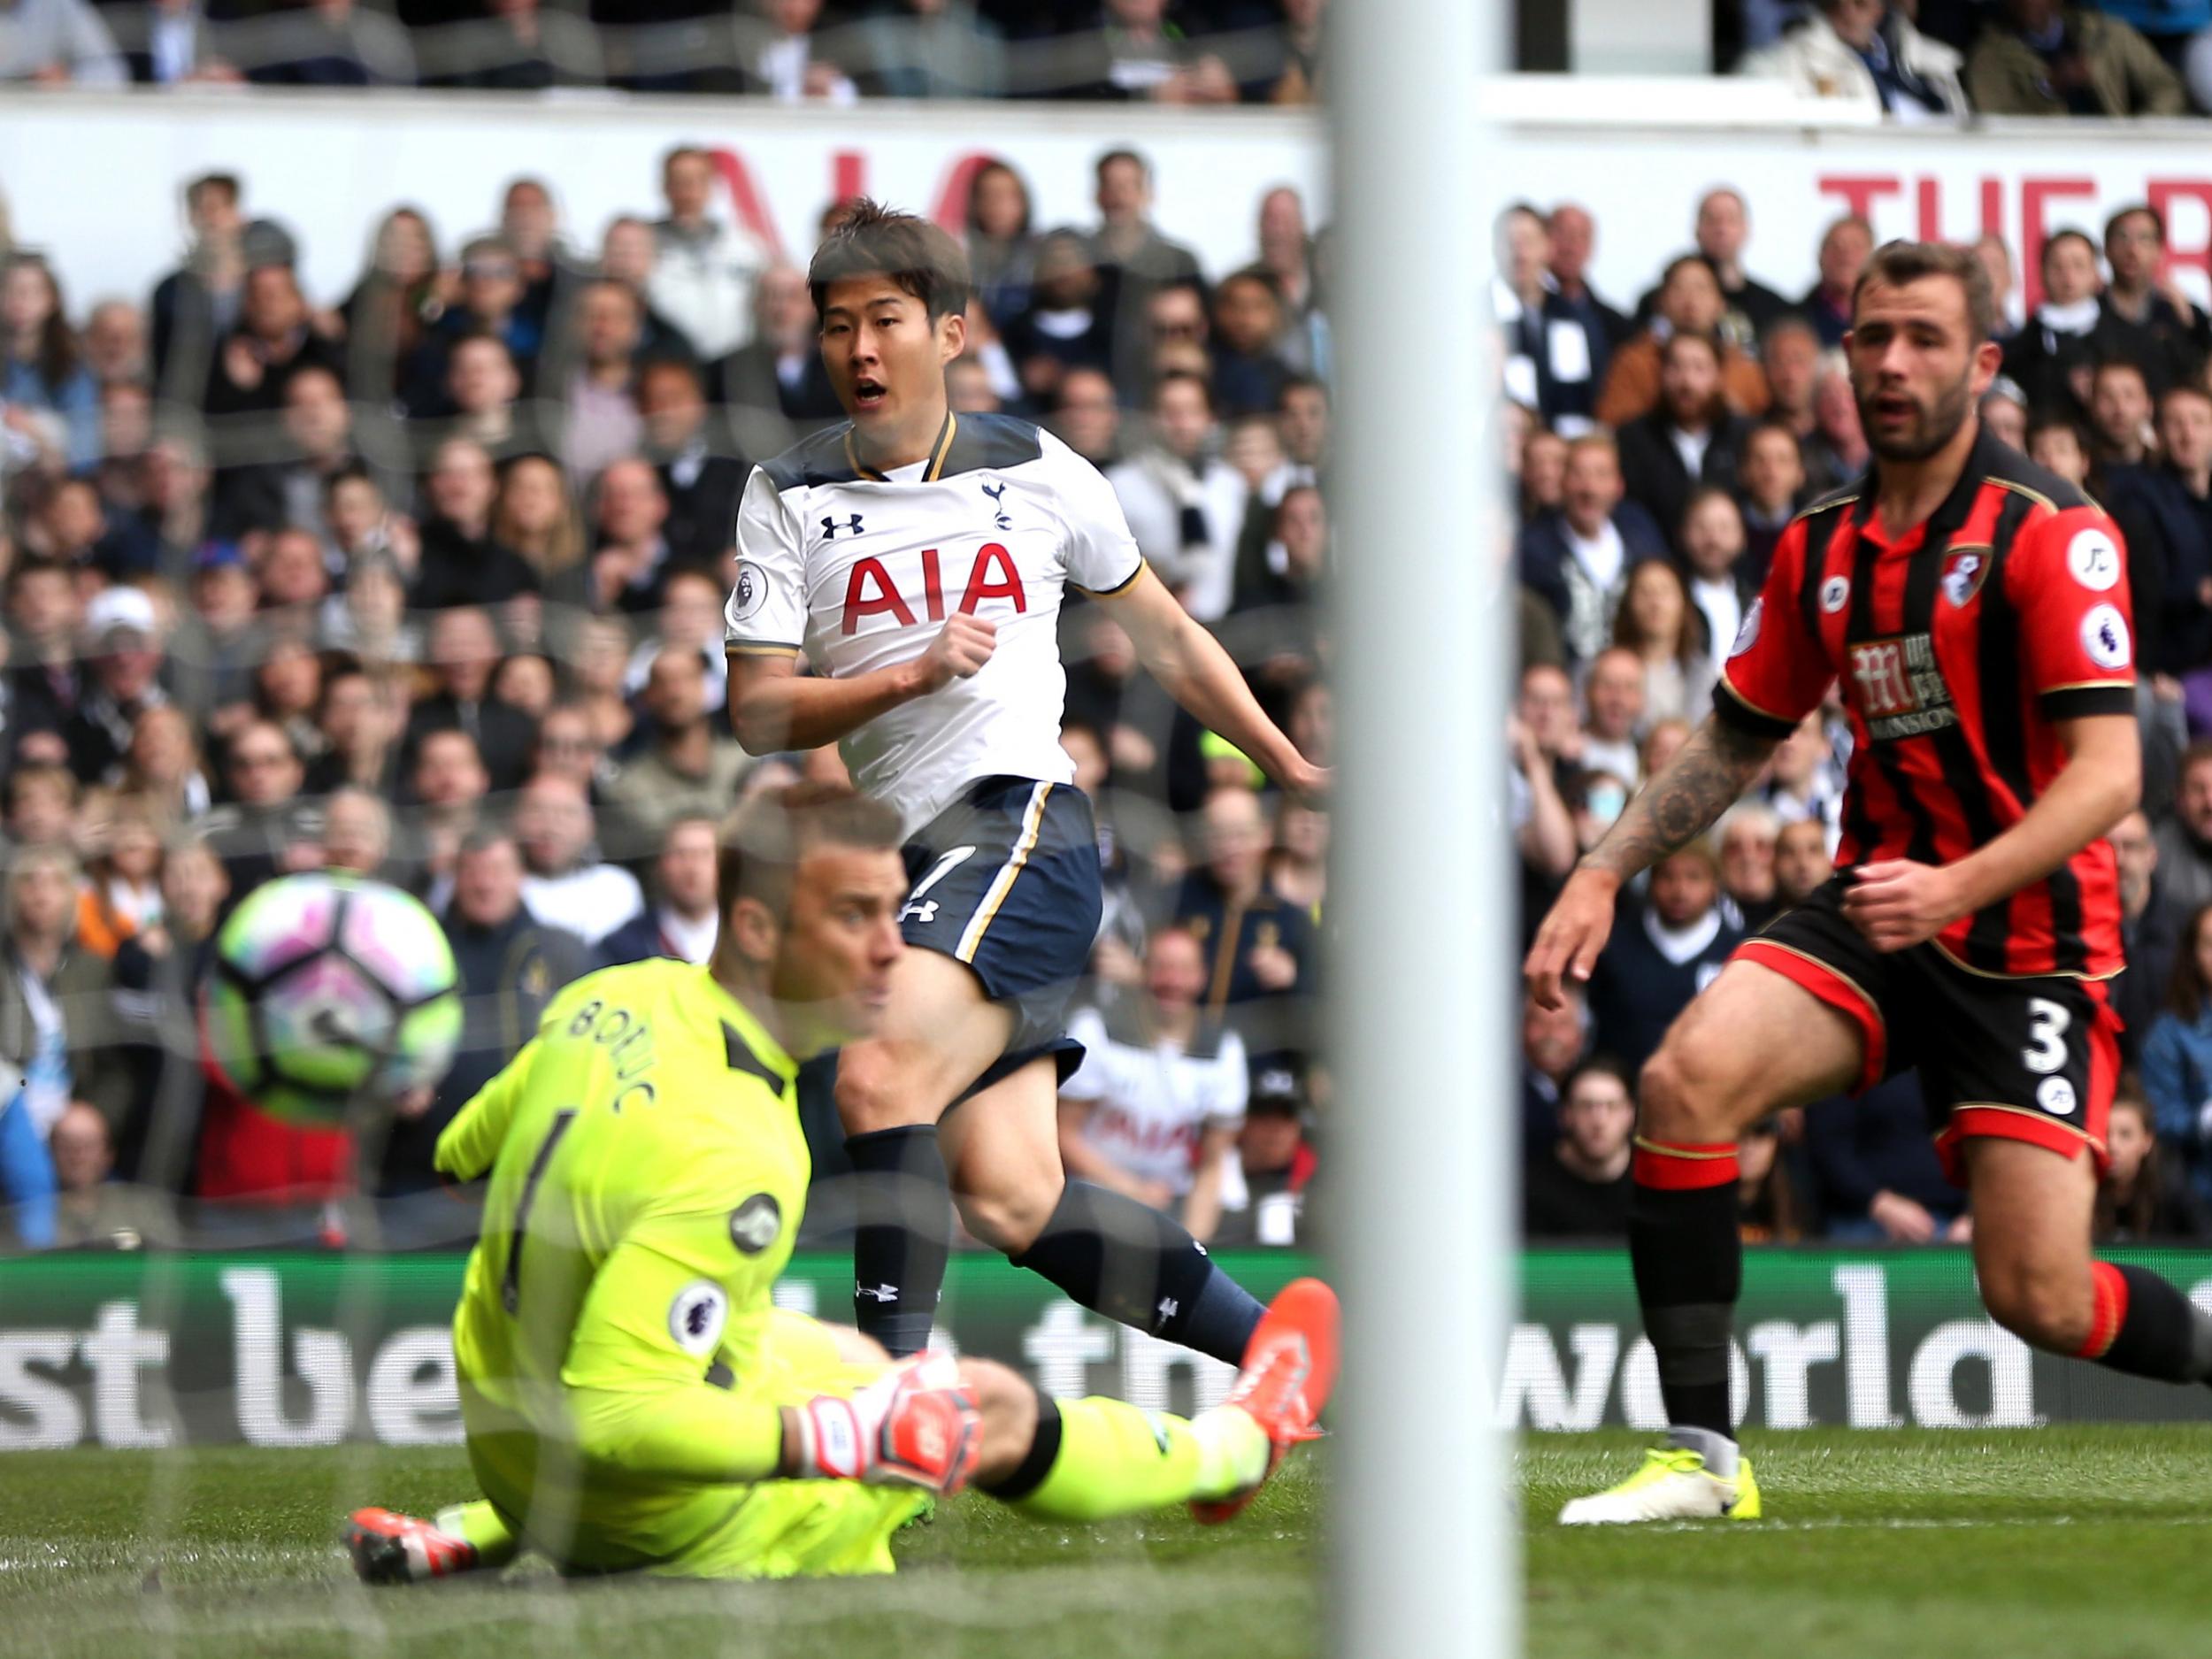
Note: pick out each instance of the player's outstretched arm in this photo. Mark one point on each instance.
(469, 1144)
(1712, 770)
(774, 709)
(1897, 904)
(1202, 677)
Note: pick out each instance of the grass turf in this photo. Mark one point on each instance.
(2089, 1543)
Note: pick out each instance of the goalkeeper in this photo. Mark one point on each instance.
(632, 1399)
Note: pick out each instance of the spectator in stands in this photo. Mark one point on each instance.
(1248, 322)
(1875, 1169)
(359, 724)
(1838, 448)
(1129, 251)
(601, 422)
(2178, 1055)
(91, 1211)
(1770, 487)
(2144, 1197)
(1071, 322)
(114, 343)
(2143, 295)
(1689, 303)
(1276, 1161)
(56, 1025)
(163, 763)
(774, 388)
(1845, 248)
(702, 487)
(1663, 952)
(1259, 947)
(1573, 244)
(196, 305)
(1556, 352)
(1722, 230)
(464, 650)
(516, 46)
(565, 884)
(2150, 932)
(509, 965)
(1286, 249)
(329, 43)
(1579, 1186)
(1001, 239)
(1155, 1108)
(1577, 559)
(2164, 512)
(2004, 410)
(1185, 504)
(462, 563)
(484, 383)
(2119, 417)
(1689, 440)
(1868, 54)
(2042, 57)
(41, 367)
(703, 271)
(1086, 416)
(532, 519)
(2053, 357)
(449, 784)
(2061, 445)
(2184, 839)
(1554, 1041)
(1748, 834)
(356, 832)
(1136, 54)
(682, 920)
(26, 1176)
(631, 561)
(691, 769)
(1658, 625)
(627, 254)
(315, 443)
(1790, 352)
(123, 652)
(58, 42)
(1801, 863)
(273, 339)
(1804, 781)
(255, 831)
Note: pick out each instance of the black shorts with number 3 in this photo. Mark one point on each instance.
(2031, 1058)
(1007, 880)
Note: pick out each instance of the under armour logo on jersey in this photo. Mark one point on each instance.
(829, 526)
(877, 1293)
(999, 517)
(923, 910)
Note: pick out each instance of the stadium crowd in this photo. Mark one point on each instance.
(1659, 447)
(1189, 52)
(428, 584)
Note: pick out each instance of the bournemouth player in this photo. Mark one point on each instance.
(916, 561)
(632, 1397)
(1974, 610)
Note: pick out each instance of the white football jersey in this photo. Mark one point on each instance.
(1152, 1102)
(857, 570)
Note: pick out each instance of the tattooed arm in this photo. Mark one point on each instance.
(1697, 785)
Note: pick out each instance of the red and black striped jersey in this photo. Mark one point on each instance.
(1958, 645)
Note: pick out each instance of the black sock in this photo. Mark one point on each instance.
(1036, 1462)
(2143, 1326)
(902, 1236)
(1135, 1266)
(1688, 1255)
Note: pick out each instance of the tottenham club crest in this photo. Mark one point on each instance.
(1963, 575)
(754, 1224)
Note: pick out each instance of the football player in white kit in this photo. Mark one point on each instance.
(916, 561)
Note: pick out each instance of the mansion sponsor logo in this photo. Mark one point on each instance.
(1901, 692)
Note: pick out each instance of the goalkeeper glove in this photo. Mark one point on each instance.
(916, 1425)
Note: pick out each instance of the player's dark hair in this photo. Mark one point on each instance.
(2188, 991)
(765, 840)
(1895, 263)
(876, 241)
(2136, 210)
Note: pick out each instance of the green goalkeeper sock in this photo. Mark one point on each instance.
(1114, 1459)
(484, 1528)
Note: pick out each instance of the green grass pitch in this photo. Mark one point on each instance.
(2086, 1543)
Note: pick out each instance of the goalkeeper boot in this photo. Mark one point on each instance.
(1673, 1485)
(391, 1548)
(1289, 1368)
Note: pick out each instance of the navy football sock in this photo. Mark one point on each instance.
(903, 1235)
(1134, 1264)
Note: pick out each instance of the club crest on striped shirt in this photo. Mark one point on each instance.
(1963, 573)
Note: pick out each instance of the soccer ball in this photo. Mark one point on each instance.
(328, 991)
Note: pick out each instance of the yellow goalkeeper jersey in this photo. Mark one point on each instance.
(647, 1177)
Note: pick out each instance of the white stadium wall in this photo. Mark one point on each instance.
(86, 175)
